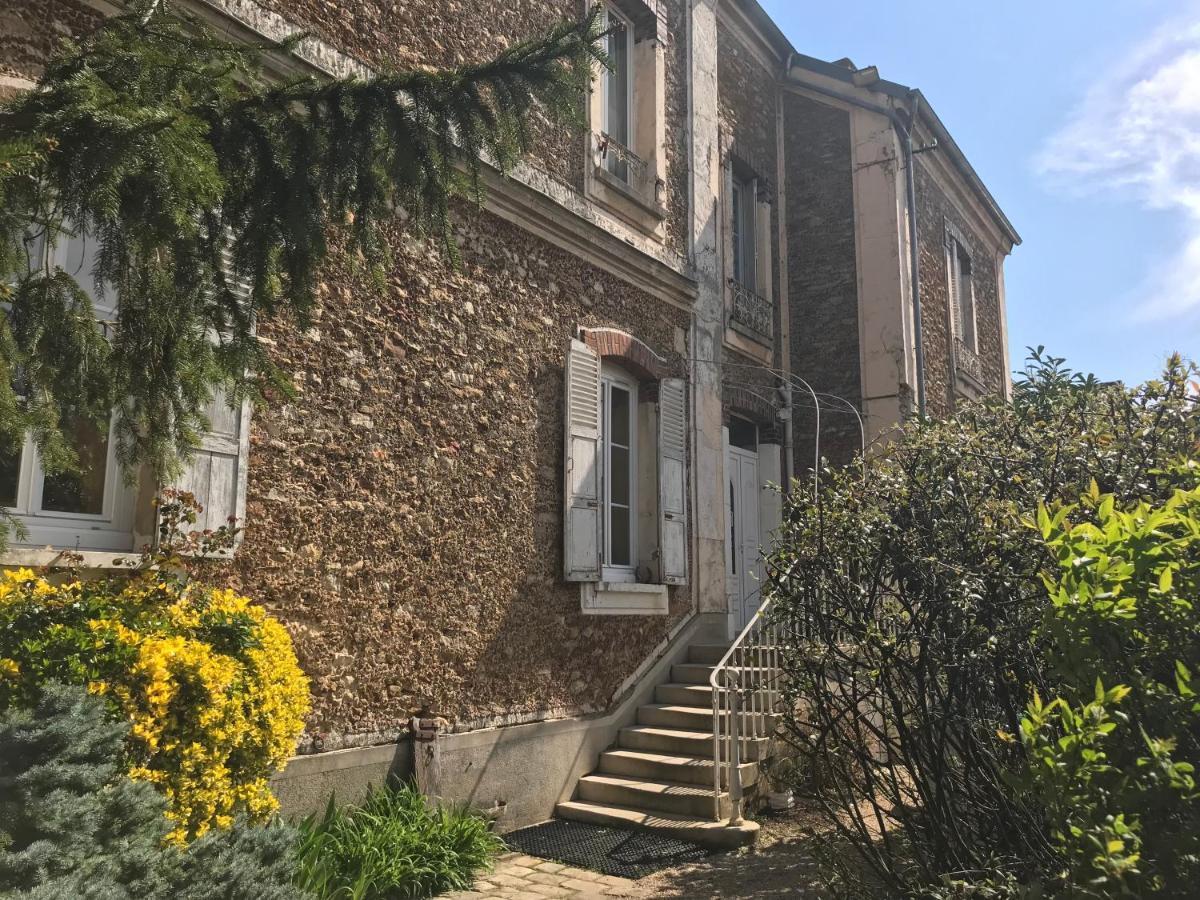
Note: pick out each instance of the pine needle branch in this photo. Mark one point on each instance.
(211, 196)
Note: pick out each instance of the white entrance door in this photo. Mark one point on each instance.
(743, 568)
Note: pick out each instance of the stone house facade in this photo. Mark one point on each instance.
(505, 494)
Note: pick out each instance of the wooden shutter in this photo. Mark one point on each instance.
(217, 471)
(581, 513)
(672, 480)
(952, 268)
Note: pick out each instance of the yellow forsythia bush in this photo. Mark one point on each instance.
(208, 681)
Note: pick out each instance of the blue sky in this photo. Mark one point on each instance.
(1083, 118)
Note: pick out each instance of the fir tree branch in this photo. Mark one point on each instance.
(169, 149)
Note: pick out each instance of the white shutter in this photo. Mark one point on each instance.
(953, 277)
(672, 480)
(581, 513)
(217, 471)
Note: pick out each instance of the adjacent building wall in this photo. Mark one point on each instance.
(822, 274)
(934, 207)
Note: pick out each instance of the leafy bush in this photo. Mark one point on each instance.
(1114, 767)
(72, 825)
(208, 682)
(916, 603)
(394, 845)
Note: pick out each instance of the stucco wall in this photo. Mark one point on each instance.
(934, 207)
(822, 273)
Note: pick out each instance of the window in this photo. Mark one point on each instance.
(743, 215)
(627, 116)
(94, 509)
(91, 509)
(625, 472)
(618, 474)
(962, 293)
(618, 93)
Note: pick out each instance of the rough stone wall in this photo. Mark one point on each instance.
(933, 209)
(822, 274)
(404, 515)
(410, 34)
(746, 108)
(404, 510)
(31, 30)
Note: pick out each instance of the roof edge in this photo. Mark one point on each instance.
(927, 115)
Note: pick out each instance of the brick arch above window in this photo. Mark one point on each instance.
(745, 404)
(611, 343)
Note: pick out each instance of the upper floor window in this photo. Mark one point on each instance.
(744, 225)
(618, 92)
(627, 112)
(962, 293)
(748, 254)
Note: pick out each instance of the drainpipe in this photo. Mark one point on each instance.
(904, 132)
(785, 306)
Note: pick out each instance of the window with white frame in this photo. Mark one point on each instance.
(618, 473)
(95, 507)
(962, 292)
(617, 121)
(88, 509)
(625, 519)
(743, 203)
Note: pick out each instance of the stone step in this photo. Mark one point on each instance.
(707, 654)
(681, 742)
(700, 673)
(716, 835)
(652, 796)
(667, 767)
(693, 718)
(688, 718)
(699, 696)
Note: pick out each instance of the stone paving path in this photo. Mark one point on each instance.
(521, 877)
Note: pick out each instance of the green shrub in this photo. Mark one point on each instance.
(1112, 756)
(207, 680)
(917, 606)
(394, 845)
(73, 825)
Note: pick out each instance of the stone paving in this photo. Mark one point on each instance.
(521, 877)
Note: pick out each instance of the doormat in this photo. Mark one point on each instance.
(610, 851)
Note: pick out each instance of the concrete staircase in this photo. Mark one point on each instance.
(659, 776)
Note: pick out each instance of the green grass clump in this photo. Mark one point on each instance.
(395, 845)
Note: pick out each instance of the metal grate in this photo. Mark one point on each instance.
(610, 851)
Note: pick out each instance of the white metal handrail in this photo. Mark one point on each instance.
(745, 680)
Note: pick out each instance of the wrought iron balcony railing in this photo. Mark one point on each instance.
(968, 363)
(751, 311)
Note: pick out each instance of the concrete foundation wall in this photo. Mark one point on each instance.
(517, 773)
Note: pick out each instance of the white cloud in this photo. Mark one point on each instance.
(1137, 132)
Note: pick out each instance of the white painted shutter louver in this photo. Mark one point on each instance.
(672, 480)
(952, 268)
(217, 472)
(581, 513)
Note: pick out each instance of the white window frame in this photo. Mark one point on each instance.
(112, 528)
(612, 17)
(610, 377)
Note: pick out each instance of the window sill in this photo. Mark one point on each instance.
(612, 598)
(34, 557)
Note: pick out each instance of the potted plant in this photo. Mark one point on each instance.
(782, 772)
